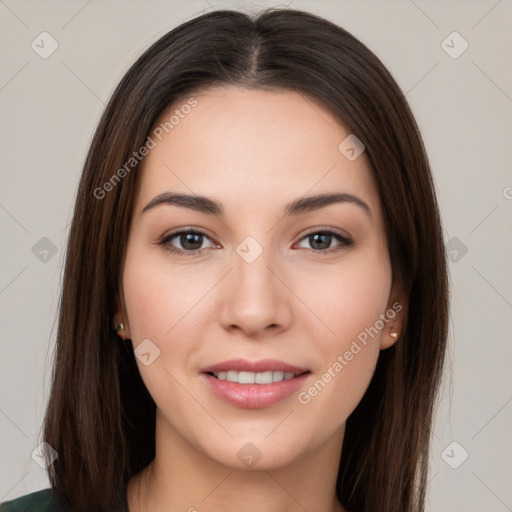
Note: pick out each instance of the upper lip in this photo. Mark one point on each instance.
(263, 365)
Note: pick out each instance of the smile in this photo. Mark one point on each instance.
(254, 378)
(254, 384)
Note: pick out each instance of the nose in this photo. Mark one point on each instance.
(254, 298)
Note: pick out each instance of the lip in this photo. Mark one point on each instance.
(263, 365)
(254, 396)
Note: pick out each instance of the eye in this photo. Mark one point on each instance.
(321, 241)
(191, 242)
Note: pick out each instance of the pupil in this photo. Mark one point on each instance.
(191, 239)
(323, 238)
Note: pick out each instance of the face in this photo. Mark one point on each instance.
(257, 314)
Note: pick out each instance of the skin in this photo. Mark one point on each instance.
(253, 151)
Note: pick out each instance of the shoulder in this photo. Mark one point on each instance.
(39, 501)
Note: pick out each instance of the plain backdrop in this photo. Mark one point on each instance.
(462, 100)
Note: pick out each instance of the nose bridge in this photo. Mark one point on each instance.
(253, 297)
(252, 279)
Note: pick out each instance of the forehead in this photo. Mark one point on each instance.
(251, 146)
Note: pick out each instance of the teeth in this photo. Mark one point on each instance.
(246, 378)
(277, 376)
(254, 378)
(232, 376)
(263, 378)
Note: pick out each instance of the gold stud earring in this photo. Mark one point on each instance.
(119, 329)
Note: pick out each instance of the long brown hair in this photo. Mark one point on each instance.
(100, 418)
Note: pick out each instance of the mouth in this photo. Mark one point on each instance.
(261, 378)
(254, 385)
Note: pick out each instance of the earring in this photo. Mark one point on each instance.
(394, 334)
(119, 329)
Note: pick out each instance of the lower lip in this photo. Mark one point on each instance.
(254, 396)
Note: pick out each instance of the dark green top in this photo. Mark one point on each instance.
(40, 501)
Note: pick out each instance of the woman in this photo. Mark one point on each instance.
(255, 303)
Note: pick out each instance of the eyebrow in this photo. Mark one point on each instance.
(296, 207)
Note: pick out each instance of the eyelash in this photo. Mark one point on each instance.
(164, 242)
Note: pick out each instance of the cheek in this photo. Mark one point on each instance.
(159, 306)
(349, 298)
(156, 298)
(334, 393)
(166, 305)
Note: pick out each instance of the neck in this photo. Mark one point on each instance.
(184, 478)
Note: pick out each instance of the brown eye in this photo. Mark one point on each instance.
(187, 242)
(191, 241)
(321, 241)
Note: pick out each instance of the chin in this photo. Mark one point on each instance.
(256, 453)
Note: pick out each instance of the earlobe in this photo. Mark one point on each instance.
(395, 315)
(120, 323)
(121, 330)
(389, 337)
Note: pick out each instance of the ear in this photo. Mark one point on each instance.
(395, 315)
(121, 324)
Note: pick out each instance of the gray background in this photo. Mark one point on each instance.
(50, 108)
